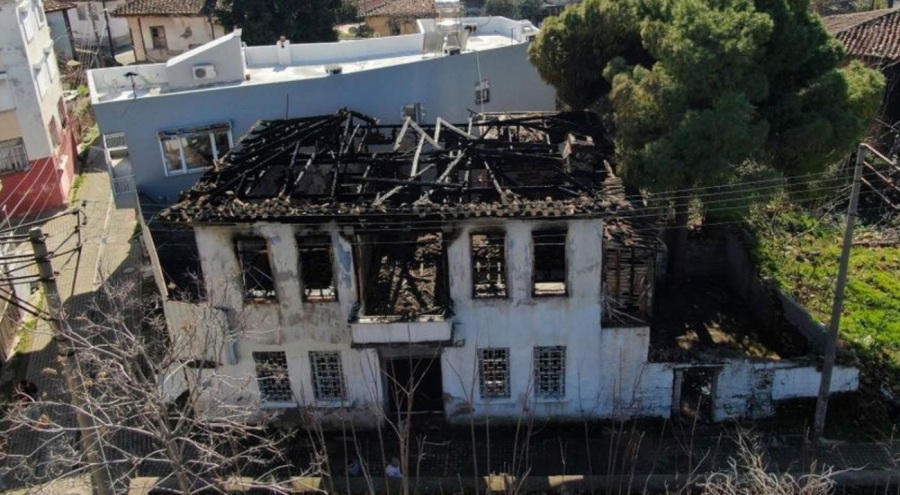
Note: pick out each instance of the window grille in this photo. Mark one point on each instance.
(482, 92)
(316, 269)
(550, 371)
(12, 155)
(327, 375)
(494, 366)
(488, 265)
(256, 272)
(549, 263)
(272, 376)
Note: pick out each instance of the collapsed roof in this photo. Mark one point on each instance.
(347, 167)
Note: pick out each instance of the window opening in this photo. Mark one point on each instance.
(316, 268)
(550, 371)
(488, 265)
(494, 366)
(482, 92)
(256, 271)
(327, 375)
(158, 38)
(549, 263)
(272, 377)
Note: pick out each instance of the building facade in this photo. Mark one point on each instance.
(162, 29)
(227, 86)
(363, 272)
(37, 148)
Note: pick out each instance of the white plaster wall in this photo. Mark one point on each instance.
(604, 368)
(289, 325)
(19, 55)
(87, 31)
(790, 383)
(182, 34)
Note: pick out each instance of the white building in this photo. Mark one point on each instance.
(441, 70)
(498, 270)
(162, 29)
(36, 144)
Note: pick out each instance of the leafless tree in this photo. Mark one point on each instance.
(155, 400)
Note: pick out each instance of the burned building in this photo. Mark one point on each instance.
(499, 265)
(486, 269)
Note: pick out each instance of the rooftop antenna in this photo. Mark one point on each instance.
(131, 75)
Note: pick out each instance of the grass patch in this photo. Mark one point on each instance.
(76, 188)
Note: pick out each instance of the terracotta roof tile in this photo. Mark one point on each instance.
(166, 7)
(872, 36)
(417, 8)
(56, 5)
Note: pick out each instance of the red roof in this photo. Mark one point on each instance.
(873, 36)
(55, 5)
(166, 8)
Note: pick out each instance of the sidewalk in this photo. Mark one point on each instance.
(107, 247)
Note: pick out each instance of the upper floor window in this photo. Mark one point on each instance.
(316, 268)
(29, 20)
(488, 265)
(549, 278)
(193, 150)
(38, 9)
(482, 92)
(256, 270)
(42, 79)
(12, 155)
(81, 12)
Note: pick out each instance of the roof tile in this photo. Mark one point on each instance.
(167, 7)
(873, 36)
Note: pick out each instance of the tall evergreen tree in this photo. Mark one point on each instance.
(264, 21)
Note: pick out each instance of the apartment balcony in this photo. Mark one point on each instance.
(369, 331)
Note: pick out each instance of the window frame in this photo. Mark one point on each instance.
(317, 359)
(539, 374)
(29, 25)
(13, 144)
(261, 360)
(535, 235)
(179, 135)
(303, 244)
(483, 92)
(270, 295)
(153, 39)
(504, 271)
(504, 374)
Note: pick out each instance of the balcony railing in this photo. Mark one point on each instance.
(12, 155)
(369, 331)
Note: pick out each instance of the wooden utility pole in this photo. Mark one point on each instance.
(90, 440)
(831, 338)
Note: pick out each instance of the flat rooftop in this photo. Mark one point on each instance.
(226, 62)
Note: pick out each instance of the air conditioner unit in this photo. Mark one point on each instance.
(204, 72)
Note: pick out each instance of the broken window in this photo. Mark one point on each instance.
(550, 371)
(494, 377)
(189, 150)
(272, 377)
(327, 375)
(406, 275)
(316, 269)
(488, 265)
(256, 271)
(549, 263)
(158, 38)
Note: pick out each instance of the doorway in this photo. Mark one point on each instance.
(694, 393)
(414, 385)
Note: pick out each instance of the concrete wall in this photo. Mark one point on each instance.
(182, 34)
(445, 86)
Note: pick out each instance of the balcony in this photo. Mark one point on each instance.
(373, 331)
(13, 156)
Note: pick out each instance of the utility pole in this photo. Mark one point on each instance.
(109, 38)
(831, 338)
(90, 440)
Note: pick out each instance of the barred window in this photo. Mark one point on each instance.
(327, 375)
(488, 265)
(256, 272)
(550, 371)
(494, 366)
(272, 376)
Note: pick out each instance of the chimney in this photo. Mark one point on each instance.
(284, 51)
